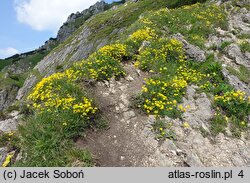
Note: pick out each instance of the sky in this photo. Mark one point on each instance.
(27, 24)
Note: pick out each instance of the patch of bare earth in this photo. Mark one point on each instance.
(121, 144)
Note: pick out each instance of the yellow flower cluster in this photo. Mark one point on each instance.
(234, 103)
(105, 63)
(101, 67)
(85, 108)
(116, 51)
(161, 96)
(211, 12)
(190, 75)
(159, 53)
(146, 21)
(143, 35)
(52, 94)
(228, 97)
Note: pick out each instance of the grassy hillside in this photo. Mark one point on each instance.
(59, 109)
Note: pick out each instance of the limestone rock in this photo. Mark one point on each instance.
(3, 154)
(235, 82)
(69, 26)
(193, 160)
(235, 53)
(9, 125)
(193, 52)
(200, 110)
(7, 96)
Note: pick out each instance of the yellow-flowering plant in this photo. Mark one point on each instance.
(101, 67)
(160, 97)
(234, 103)
(160, 54)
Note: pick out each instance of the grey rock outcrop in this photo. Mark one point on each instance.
(28, 84)
(193, 52)
(194, 150)
(7, 96)
(10, 124)
(3, 154)
(239, 21)
(75, 20)
(200, 108)
(235, 82)
(234, 52)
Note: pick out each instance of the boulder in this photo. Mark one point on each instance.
(235, 82)
(234, 52)
(193, 52)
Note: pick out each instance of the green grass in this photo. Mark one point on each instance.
(163, 130)
(245, 46)
(218, 124)
(44, 144)
(224, 45)
(243, 36)
(196, 23)
(243, 73)
(48, 134)
(4, 63)
(47, 137)
(104, 23)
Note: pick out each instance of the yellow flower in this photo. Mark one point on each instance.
(185, 125)
(7, 160)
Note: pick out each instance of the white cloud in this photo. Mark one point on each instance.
(7, 52)
(48, 14)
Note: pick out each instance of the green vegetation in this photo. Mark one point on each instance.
(60, 110)
(245, 46)
(61, 113)
(31, 59)
(236, 106)
(225, 44)
(219, 123)
(9, 140)
(179, 3)
(243, 73)
(3, 63)
(163, 130)
(243, 36)
(195, 22)
(44, 143)
(105, 23)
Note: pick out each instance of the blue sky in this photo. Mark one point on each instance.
(27, 24)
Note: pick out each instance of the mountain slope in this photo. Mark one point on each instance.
(154, 87)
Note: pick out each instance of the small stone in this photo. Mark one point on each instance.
(138, 72)
(193, 160)
(122, 106)
(9, 125)
(124, 99)
(122, 158)
(151, 119)
(168, 145)
(128, 115)
(106, 83)
(105, 94)
(123, 88)
(129, 78)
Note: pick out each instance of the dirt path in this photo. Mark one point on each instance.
(121, 144)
